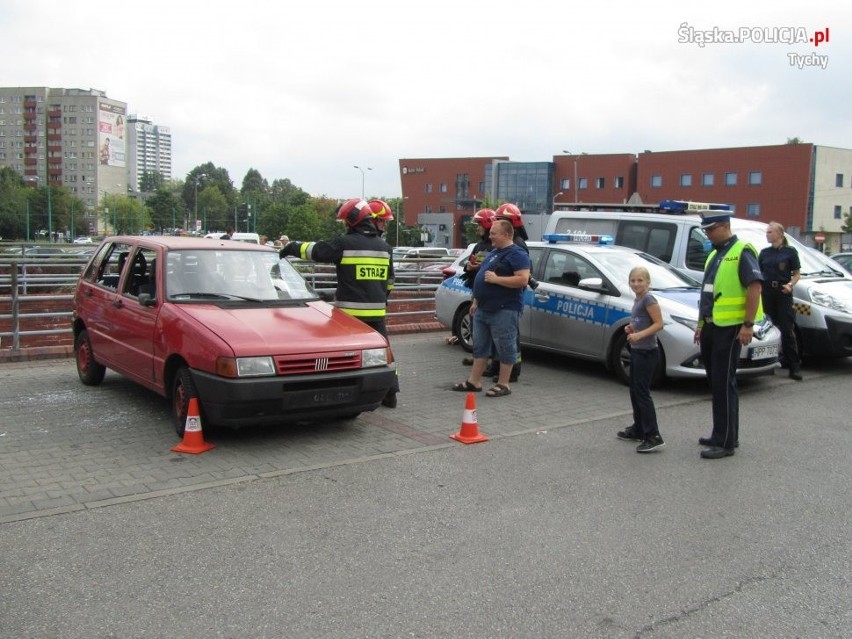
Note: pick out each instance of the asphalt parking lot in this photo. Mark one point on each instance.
(66, 447)
(386, 527)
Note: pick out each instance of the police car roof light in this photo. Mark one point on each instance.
(685, 206)
(585, 238)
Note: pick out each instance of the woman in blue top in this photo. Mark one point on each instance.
(646, 320)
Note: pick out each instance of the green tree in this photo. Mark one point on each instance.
(166, 209)
(151, 181)
(13, 204)
(303, 224)
(208, 175)
(213, 209)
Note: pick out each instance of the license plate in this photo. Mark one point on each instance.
(319, 397)
(763, 352)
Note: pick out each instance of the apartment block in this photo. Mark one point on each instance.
(149, 150)
(66, 137)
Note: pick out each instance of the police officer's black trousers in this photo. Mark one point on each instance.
(779, 307)
(720, 351)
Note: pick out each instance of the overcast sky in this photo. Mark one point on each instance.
(306, 90)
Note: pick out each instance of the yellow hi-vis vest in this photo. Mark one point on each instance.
(729, 295)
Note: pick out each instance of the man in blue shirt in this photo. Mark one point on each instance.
(498, 301)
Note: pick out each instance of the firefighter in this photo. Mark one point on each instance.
(381, 213)
(364, 269)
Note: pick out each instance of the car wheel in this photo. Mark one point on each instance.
(91, 373)
(619, 362)
(463, 327)
(183, 389)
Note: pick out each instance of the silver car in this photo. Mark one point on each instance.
(583, 302)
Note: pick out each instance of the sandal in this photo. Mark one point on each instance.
(498, 390)
(467, 387)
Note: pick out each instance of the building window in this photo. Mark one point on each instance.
(428, 187)
(707, 179)
(565, 185)
(755, 178)
(443, 187)
(753, 210)
(582, 183)
(838, 180)
(686, 179)
(838, 213)
(656, 181)
(619, 181)
(730, 179)
(600, 183)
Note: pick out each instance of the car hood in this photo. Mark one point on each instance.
(310, 328)
(687, 297)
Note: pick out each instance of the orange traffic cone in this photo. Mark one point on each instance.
(193, 439)
(469, 432)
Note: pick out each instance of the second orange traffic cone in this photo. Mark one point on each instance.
(193, 439)
(469, 431)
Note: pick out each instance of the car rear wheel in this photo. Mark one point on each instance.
(463, 327)
(183, 389)
(619, 362)
(91, 373)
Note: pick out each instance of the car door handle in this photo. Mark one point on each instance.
(542, 296)
(118, 303)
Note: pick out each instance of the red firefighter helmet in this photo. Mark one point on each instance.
(381, 210)
(485, 217)
(512, 213)
(354, 211)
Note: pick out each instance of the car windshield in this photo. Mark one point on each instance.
(663, 276)
(223, 274)
(813, 262)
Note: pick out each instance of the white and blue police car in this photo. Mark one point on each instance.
(583, 302)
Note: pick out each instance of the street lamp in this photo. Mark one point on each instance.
(362, 178)
(553, 206)
(197, 178)
(576, 186)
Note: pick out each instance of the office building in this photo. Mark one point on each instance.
(149, 151)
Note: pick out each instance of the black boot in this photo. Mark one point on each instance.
(390, 399)
(513, 377)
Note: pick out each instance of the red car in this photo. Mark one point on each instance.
(228, 323)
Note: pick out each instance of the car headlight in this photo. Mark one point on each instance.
(691, 324)
(245, 366)
(822, 298)
(374, 357)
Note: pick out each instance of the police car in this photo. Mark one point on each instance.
(583, 302)
(671, 231)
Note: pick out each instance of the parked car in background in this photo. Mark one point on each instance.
(228, 323)
(83, 240)
(822, 297)
(844, 259)
(414, 258)
(583, 302)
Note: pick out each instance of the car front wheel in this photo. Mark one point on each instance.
(463, 327)
(183, 389)
(91, 373)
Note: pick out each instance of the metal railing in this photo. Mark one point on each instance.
(25, 282)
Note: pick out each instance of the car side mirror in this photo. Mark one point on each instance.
(145, 299)
(593, 284)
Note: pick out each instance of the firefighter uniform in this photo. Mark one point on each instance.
(365, 275)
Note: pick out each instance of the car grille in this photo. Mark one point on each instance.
(327, 362)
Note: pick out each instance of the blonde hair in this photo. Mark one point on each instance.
(780, 228)
(641, 270)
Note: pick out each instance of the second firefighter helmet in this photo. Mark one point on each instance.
(380, 210)
(354, 211)
(512, 213)
(485, 217)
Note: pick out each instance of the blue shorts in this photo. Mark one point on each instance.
(499, 328)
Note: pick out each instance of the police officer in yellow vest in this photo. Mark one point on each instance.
(364, 268)
(729, 306)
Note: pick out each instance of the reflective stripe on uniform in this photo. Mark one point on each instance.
(305, 250)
